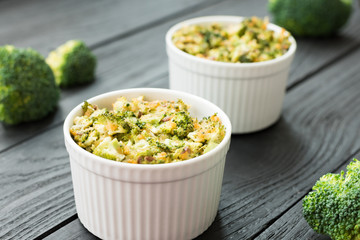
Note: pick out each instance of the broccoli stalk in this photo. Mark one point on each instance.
(72, 64)
(27, 88)
(333, 207)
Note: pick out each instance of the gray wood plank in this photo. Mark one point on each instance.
(292, 224)
(317, 133)
(122, 65)
(314, 54)
(44, 25)
(73, 230)
(31, 178)
(35, 186)
(270, 171)
(241, 184)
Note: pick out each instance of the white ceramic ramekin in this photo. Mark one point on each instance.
(116, 200)
(251, 94)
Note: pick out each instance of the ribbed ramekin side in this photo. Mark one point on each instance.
(113, 209)
(251, 103)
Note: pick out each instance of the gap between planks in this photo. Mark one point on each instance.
(268, 224)
(133, 32)
(124, 35)
(160, 76)
(154, 24)
(289, 89)
(57, 227)
(321, 68)
(337, 169)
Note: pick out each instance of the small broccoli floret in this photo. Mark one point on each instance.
(333, 207)
(113, 124)
(110, 149)
(72, 64)
(184, 124)
(27, 88)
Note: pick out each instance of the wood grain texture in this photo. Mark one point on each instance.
(131, 62)
(121, 65)
(47, 24)
(341, 108)
(35, 179)
(292, 224)
(268, 172)
(44, 25)
(72, 231)
(31, 177)
(317, 134)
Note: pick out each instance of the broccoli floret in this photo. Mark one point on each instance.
(311, 17)
(114, 123)
(72, 64)
(333, 207)
(27, 88)
(110, 149)
(184, 124)
(163, 147)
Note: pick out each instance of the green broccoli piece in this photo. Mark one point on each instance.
(184, 124)
(311, 17)
(333, 207)
(27, 88)
(109, 149)
(211, 145)
(72, 64)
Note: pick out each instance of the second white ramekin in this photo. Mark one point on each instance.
(251, 94)
(116, 200)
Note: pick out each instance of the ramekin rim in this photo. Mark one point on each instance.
(148, 167)
(226, 18)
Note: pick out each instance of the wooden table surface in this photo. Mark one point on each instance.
(267, 173)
